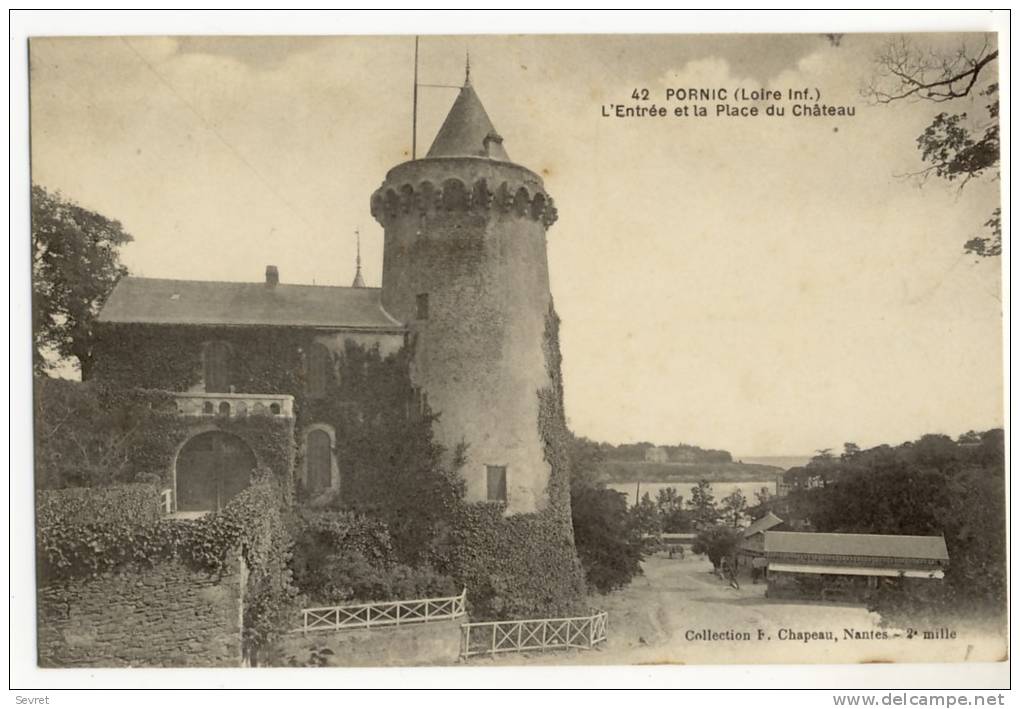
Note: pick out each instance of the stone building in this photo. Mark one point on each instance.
(656, 454)
(465, 295)
(235, 352)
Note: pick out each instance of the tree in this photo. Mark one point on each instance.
(671, 511)
(608, 544)
(717, 543)
(702, 505)
(955, 146)
(849, 451)
(645, 517)
(585, 457)
(75, 265)
(733, 506)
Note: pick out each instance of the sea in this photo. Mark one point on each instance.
(780, 461)
(719, 490)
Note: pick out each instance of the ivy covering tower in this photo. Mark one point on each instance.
(465, 269)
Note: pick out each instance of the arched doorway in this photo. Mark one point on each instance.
(212, 468)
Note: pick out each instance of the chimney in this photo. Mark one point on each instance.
(491, 137)
(272, 276)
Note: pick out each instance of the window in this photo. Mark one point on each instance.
(318, 461)
(216, 365)
(419, 405)
(423, 306)
(496, 482)
(319, 361)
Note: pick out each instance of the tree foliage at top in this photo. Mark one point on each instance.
(704, 513)
(670, 505)
(75, 264)
(734, 507)
(956, 146)
(677, 453)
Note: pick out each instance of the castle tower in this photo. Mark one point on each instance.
(465, 267)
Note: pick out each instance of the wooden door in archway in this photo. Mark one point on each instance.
(212, 469)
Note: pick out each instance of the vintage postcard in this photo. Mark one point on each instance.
(484, 350)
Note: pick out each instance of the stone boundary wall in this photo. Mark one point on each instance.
(165, 615)
(418, 644)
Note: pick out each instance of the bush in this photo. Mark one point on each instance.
(322, 538)
(521, 566)
(344, 557)
(348, 577)
(609, 546)
(718, 543)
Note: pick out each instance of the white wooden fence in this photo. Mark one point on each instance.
(584, 632)
(166, 501)
(372, 615)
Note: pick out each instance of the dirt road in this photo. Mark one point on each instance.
(678, 612)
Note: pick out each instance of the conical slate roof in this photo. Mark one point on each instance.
(465, 129)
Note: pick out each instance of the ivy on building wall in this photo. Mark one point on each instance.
(166, 357)
(92, 540)
(136, 503)
(526, 565)
(95, 434)
(368, 395)
(390, 466)
(91, 434)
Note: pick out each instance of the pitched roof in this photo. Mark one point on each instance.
(883, 545)
(166, 301)
(760, 525)
(463, 132)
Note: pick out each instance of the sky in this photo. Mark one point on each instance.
(766, 286)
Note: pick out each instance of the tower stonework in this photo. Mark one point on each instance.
(465, 267)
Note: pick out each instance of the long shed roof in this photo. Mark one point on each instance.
(877, 545)
(172, 302)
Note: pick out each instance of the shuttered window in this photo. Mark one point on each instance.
(319, 362)
(496, 482)
(319, 461)
(217, 367)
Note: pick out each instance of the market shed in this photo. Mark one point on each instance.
(826, 566)
(753, 543)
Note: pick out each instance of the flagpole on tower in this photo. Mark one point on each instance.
(414, 109)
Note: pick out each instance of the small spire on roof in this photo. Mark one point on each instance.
(359, 282)
(467, 67)
(467, 128)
